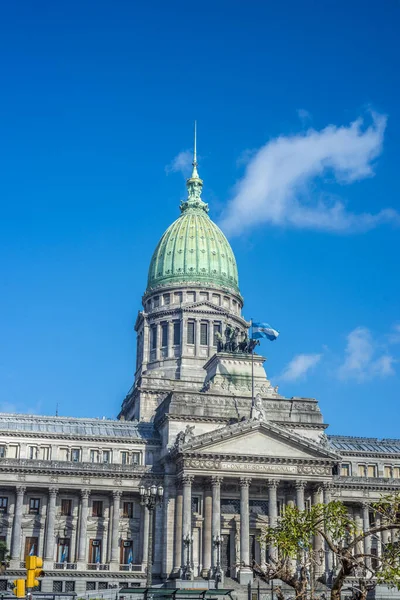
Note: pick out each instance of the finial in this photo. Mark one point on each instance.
(195, 174)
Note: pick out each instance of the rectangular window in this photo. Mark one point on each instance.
(178, 298)
(57, 586)
(124, 458)
(136, 458)
(95, 551)
(191, 296)
(3, 505)
(371, 471)
(90, 585)
(126, 552)
(345, 470)
(362, 471)
(164, 335)
(63, 550)
(128, 510)
(388, 471)
(45, 453)
(153, 336)
(32, 452)
(66, 507)
(203, 296)
(106, 456)
(70, 586)
(166, 299)
(2, 451)
(216, 298)
(31, 546)
(396, 472)
(97, 509)
(177, 333)
(190, 332)
(75, 455)
(103, 585)
(94, 456)
(34, 506)
(156, 301)
(217, 329)
(203, 334)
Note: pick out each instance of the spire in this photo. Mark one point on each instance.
(194, 184)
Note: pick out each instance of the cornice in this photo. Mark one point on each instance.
(250, 458)
(85, 438)
(366, 483)
(360, 454)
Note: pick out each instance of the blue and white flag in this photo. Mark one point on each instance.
(97, 558)
(64, 554)
(263, 330)
(32, 550)
(130, 556)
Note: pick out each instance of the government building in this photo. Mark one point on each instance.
(222, 449)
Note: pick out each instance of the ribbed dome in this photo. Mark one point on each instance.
(193, 249)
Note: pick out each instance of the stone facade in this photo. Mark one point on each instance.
(228, 448)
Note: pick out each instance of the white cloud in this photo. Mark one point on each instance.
(274, 187)
(394, 336)
(299, 366)
(181, 163)
(361, 361)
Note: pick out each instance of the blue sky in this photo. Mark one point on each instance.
(298, 117)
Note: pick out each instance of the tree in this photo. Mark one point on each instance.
(4, 557)
(294, 560)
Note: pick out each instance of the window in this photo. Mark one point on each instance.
(164, 335)
(94, 456)
(156, 301)
(106, 456)
(362, 471)
(128, 510)
(190, 332)
(177, 333)
(396, 472)
(178, 298)
(31, 546)
(32, 452)
(70, 586)
(195, 504)
(191, 296)
(75, 455)
(136, 458)
(371, 471)
(57, 586)
(126, 556)
(94, 551)
(203, 296)
(345, 470)
(153, 336)
(2, 451)
(45, 453)
(388, 471)
(90, 585)
(63, 550)
(124, 458)
(3, 505)
(217, 329)
(216, 298)
(166, 299)
(66, 507)
(34, 505)
(103, 585)
(97, 508)
(203, 334)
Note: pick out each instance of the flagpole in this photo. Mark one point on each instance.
(252, 367)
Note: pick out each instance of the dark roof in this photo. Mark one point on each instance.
(344, 444)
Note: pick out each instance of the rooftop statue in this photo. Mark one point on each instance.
(232, 344)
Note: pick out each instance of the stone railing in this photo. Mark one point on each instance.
(65, 565)
(135, 568)
(66, 465)
(97, 567)
(366, 480)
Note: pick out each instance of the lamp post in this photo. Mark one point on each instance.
(150, 497)
(217, 541)
(188, 542)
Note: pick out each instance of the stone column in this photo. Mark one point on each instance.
(245, 573)
(187, 481)
(197, 337)
(216, 514)
(367, 540)
(178, 529)
(16, 532)
(211, 349)
(146, 344)
(328, 554)
(378, 523)
(207, 535)
(318, 539)
(83, 525)
(115, 530)
(300, 485)
(145, 546)
(50, 523)
(272, 509)
(170, 339)
(158, 349)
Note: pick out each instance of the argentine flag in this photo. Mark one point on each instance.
(263, 330)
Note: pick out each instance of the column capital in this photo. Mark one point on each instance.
(85, 493)
(300, 484)
(187, 479)
(53, 491)
(273, 483)
(117, 494)
(216, 481)
(327, 486)
(244, 482)
(21, 489)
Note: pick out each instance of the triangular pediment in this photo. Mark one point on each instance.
(258, 438)
(206, 305)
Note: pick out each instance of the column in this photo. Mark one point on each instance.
(245, 573)
(367, 540)
(50, 522)
(178, 529)
(145, 546)
(300, 485)
(197, 337)
(378, 523)
(216, 514)
(146, 344)
(207, 535)
(328, 554)
(83, 525)
(211, 349)
(16, 533)
(318, 539)
(115, 530)
(272, 509)
(168, 526)
(187, 481)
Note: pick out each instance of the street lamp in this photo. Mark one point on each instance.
(150, 497)
(217, 541)
(188, 542)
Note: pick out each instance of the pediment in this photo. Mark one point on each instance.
(259, 439)
(207, 306)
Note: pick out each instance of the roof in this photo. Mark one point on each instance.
(345, 444)
(76, 426)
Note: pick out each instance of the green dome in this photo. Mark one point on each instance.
(193, 249)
